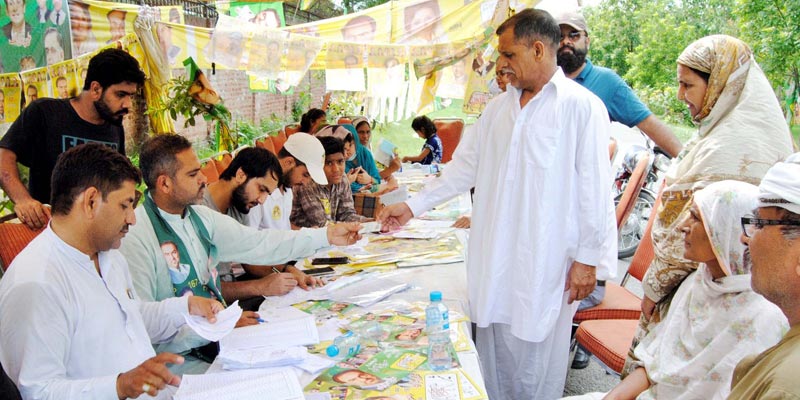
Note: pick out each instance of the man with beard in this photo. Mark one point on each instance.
(620, 100)
(48, 127)
(251, 177)
(301, 160)
(203, 237)
(622, 104)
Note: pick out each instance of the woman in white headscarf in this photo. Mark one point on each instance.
(715, 318)
(741, 133)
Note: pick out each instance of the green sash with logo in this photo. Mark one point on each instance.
(164, 234)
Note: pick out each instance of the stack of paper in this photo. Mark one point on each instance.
(266, 357)
(241, 385)
(295, 332)
(226, 321)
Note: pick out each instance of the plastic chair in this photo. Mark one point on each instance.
(265, 142)
(221, 161)
(449, 131)
(344, 120)
(278, 141)
(619, 302)
(209, 170)
(291, 129)
(612, 148)
(14, 237)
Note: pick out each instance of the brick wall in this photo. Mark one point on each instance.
(244, 104)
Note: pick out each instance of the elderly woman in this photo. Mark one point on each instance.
(741, 133)
(715, 318)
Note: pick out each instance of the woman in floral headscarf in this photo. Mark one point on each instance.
(741, 133)
(715, 318)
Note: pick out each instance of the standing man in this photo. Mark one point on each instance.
(71, 323)
(542, 217)
(773, 241)
(622, 104)
(251, 177)
(49, 127)
(203, 237)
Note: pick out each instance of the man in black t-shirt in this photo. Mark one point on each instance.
(49, 127)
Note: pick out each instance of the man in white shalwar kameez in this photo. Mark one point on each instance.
(542, 221)
(71, 324)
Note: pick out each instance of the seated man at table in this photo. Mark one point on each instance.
(301, 158)
(316, 205)
(71, 324)
(204, 238)
(252, 176)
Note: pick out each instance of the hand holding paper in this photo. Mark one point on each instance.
(223, 323)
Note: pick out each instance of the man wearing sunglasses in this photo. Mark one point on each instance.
(620, 100)
(772, 236)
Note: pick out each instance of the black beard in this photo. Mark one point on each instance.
(238, 200)
(105, 112)
(571, 62)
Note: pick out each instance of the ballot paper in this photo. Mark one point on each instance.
(241, 385)
(226, 321)
(367, 292)
(298, 295)
(295, 332)
(266, 357)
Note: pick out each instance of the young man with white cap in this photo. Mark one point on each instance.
(773, 240)
(301, 158)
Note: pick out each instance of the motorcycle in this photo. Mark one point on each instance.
(632, 228)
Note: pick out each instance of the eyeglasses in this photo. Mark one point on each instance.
(751, 224)
(572, 36)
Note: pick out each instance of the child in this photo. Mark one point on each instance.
(315, 205)
(432, 149)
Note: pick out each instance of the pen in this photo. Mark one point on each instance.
(260, 321)
(275, 270)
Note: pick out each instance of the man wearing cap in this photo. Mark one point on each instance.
(620, 100)
(301, 160)
(772, 236)
(250, 178)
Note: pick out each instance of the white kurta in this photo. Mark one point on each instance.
(274, 213)
(66, 331)
(542, 200)
(232, 241)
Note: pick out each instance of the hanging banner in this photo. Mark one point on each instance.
(267, 15)
(63, 80)
(95, 24)
(34, 83)
(369, 26)
(30, 29)
(10, 96)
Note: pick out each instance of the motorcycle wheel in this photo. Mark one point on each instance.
(630, 233)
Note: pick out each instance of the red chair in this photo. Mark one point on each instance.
(291, 129)
(221, 161)
(609, 339)
(266, 144)
(13, 238)
(612, 149)
(449, 131)
(208, 169)
(278, 141)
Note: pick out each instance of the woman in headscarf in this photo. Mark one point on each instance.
(741, 133)
(364, 132)
(715, 318)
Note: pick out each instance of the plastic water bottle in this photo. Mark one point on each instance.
(344, 346)
(437, 325)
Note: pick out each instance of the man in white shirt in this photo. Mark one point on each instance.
(204, 238)
(71, 323)
(301, 158)
(250, 178)
(542, 222)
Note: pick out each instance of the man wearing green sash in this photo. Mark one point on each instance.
(251, 177)
(203, 238)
